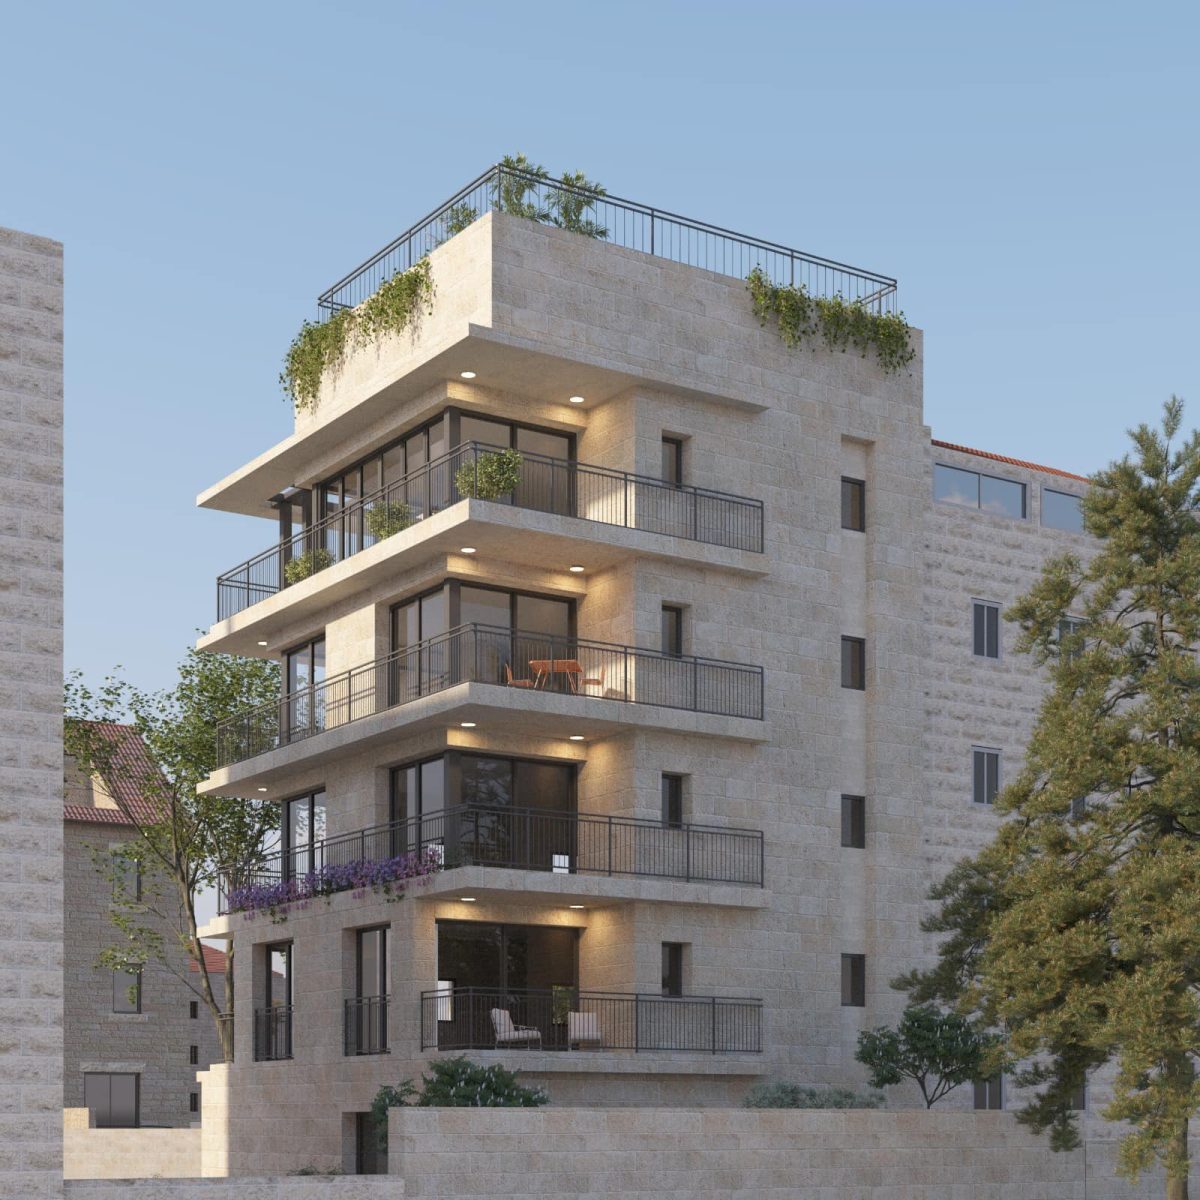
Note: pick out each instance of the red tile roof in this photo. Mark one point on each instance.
(127, 779)
(214, 960)
(1012, 462)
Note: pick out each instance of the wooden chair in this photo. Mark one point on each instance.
(593, 680)
(583, 1029)
(521, 683)
(508, 1034)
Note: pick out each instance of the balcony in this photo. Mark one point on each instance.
(552, 485)
(520, 838)
(366, 1025)
(273, 1033)
(565, 1018)
(520, 661)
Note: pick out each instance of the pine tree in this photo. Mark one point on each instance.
(1077, 930)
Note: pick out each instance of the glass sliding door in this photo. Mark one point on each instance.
(304, 671)
(418, 807)
(419, 668)
(368, 1021)
(304, 834)
(547, 472)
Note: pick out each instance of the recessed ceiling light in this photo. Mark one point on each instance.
(467, 899)
(575, 737)
(262, 789)
(576, 569)
(467, 374)
(575, 906)
(576, 399)
(262, 643)
(467, 724)
(466, 550)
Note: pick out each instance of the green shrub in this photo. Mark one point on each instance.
(387, 518)
(793, 1095)
(493, 474)
(306, 564)
(460, 1083)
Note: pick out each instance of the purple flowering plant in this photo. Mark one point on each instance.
(391, 876)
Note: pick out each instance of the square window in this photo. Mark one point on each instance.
(854, 980)
(854, 504)
(1061, 511)
(989, 1093)
(986, 628)
(672, 801)
(1004, 497)
(985, 774)
(854, 822)
(953, 485)
(854, 663)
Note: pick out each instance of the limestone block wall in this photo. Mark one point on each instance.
(120, 1153)
(252, 1187)
(731, 1154)
(31, 407)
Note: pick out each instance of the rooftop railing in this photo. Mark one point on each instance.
(553, 485)
(623, 223)
(530, 839)
(522, 660)
(566, 1018)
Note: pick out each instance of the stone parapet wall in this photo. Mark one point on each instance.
(119, 1153)
(288, 1187)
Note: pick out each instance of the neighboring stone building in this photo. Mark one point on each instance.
(31, 398)
(691, 712)
(132, 1045)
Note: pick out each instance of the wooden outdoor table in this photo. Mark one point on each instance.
(544, 668)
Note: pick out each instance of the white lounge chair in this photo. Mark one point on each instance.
(508, 1034)
(583, 1029)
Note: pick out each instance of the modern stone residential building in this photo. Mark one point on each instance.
(688, 710)
(132, 1042)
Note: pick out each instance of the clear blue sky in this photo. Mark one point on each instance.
(1028, 172)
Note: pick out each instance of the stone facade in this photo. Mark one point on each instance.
(31, 405)
(156, 1044)
(657, 350)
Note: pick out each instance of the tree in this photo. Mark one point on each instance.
(1077, 930)
(180, 836)
(937, 1050)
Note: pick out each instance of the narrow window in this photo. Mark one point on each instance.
(370, 1151)
(194, 1055)
(989, 1093)
(854, 504)
(194, 1102)
(672, 630)
(854, 822)
(672, 968)
(1079, 1098)
(987, 628)
(672, 801)
(854, 980)
(194, 1009)
(1070, 637)
(986, 775)
(127, 877)
(672, 460)
(854, 663)
(127, 991)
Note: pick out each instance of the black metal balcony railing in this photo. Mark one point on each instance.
(367, 1025)
(565, 1018)
(476, 653)
(547, 484)
(526, 839)
(273, 1033)
(624, 223)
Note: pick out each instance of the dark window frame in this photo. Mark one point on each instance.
(194, 1056)
(504, 927)
(985, 789)
(121, 866)
(676, 649)
(671, 794)
(109, 1076)
(385, 955)
(854, 981)
(1066, 495)
(675, 446)
(123, 990)
(269, 948)
(673, 969)
(980, 476)
(193, 1102)
(989, 1094)
(453, 590)
(854, 822)
(854, 667)
(854, 497)
(288, 852)
(985, 629)
(194, 1010)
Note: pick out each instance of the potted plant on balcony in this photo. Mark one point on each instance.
(306, 564)
(387, 518)
(493, 474)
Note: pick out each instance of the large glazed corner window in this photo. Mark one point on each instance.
(970, 489)
(114, 1098)
(1061, 511)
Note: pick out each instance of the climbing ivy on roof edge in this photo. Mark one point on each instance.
(838, 323)
(396, 305)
